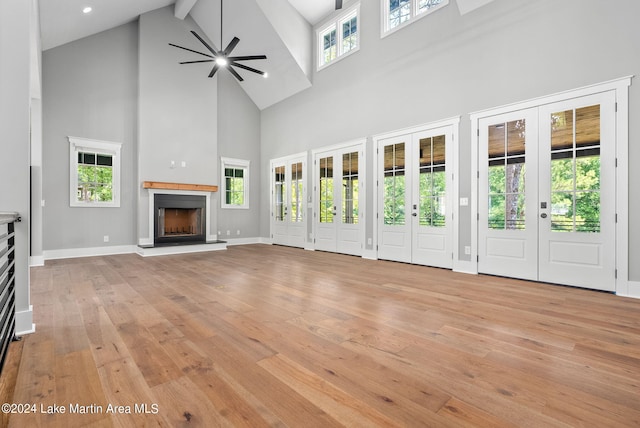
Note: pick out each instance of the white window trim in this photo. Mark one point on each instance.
(77, 144)
(336, 22)
(234, 163)
(413, 17)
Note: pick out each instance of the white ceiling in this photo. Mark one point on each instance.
(62, 21)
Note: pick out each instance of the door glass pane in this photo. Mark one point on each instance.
(326, 190)
(394, 184)
(507, 171)
(575, 170)
(279, 192)
(350, 188)
(296, 192)
(432, 182)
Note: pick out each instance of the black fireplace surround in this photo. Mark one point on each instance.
(179, 219)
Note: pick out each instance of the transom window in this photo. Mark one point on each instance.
(339, 37)
(397, 13)
(235, 183)
(94, 173)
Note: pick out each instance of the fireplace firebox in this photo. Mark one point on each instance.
(179, 219)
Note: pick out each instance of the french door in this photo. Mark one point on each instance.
(547, 193)
(338, 185)
(414, 204)
(288, 195)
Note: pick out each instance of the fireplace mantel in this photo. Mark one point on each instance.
(178, 186)
(158, 187)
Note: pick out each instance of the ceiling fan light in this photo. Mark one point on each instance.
(222, 61)
(87, 9)
(265, 75)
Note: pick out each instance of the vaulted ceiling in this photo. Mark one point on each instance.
(281, 29)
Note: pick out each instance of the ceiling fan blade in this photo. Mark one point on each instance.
(246, 58)
(235, 73)
(190, 50)
(211, 49)
(231, 46)
(338, 4)
(194, 62)
(214, 69)
(244, 67)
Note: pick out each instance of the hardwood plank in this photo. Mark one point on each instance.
(272, 336)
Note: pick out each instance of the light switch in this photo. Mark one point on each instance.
(464, 202)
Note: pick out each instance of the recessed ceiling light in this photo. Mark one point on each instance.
(87, 9)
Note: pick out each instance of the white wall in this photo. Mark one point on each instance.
(446, 65)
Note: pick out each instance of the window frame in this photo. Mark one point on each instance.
(414, 15)
(226, 163)
(336, 23)
(113, 149)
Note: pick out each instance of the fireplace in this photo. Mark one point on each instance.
(179, 219)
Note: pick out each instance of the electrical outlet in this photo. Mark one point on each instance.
(369, 241)
(228, 233)
(106, 238)
(467, 250)
(183, 164)
(238, 232)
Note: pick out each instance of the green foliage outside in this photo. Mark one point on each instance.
(575, 209)
(95, 183)
(575, 195)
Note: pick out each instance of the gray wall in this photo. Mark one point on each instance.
(239, 138)
(89, 90)
(447, 65)
(178, 117)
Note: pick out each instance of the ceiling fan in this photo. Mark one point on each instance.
(221, 58)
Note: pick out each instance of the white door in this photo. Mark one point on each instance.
(577, 192)
(288, 224)
(338, 227)
(547, 193)
(414, 206)
(508, 186)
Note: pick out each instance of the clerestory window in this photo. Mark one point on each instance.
(339, 37)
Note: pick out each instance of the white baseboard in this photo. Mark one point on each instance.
(24, 322)
(370, 254)
(463, 266)
(36, 261)
(244, 241)
(72, 253)
(630, 289)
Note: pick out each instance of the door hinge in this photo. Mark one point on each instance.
(616, 273)
(616, 162)
(478, 259)
(616, 217)
(478, 174)
(478, 216)
(616, 107)
(478, 132)
(376, 248)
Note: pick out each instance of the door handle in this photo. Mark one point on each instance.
(543, 215)
(414, 214)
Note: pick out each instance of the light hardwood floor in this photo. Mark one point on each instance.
(271, 336)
